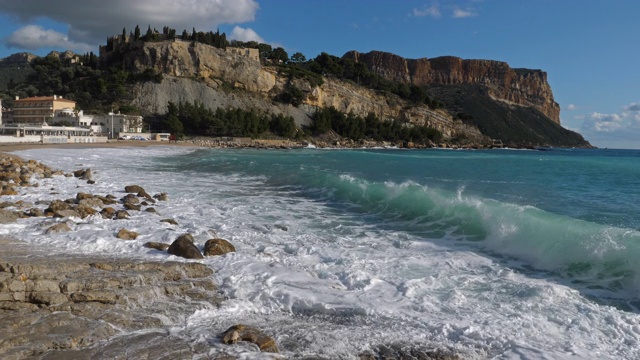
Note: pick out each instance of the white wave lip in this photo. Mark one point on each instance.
(336, 284)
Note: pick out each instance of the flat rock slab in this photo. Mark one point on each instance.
(62, 306)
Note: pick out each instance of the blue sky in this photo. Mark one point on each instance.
(590, 49)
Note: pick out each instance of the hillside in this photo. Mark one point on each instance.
(468, 102)
(15, 69)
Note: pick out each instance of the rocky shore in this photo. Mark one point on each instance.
(69, 306)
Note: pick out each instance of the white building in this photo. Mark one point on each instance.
(115, 125)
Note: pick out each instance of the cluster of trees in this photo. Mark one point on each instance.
(196, 119)
(216, 39)
(370, 127)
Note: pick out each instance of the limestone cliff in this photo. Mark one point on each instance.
(522, 87)
(483, 99)
(219, 78)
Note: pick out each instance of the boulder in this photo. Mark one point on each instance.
(85, 211)
(130, 199)
(88, 175)
(78, 173)
(121, 215)
(34, 212)
(185, 248)
(81, 196)
(250, 334)
(57, 205)
(91, 202)
(215, 247)
(186, 237)
(108, 212)
(151, 210)
(130, 206)
(162, 196)
(9, 190)
(169, 221)
(156, 245)
(105, 199)
(144, 194)
(133, 189)
(58, 228)
(125, 234)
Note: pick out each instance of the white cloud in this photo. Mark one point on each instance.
(460, 14)
(572, 107)
(427, 11)
(632, 107)
(92, 21)
(33, 37)
(247, 34)
(613, 130)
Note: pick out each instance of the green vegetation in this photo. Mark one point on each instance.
(94, 90)
(371, 127)
(195, 119)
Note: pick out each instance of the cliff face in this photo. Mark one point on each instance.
(497, 102)
(198, 61)
(225, 79)
(521, 87)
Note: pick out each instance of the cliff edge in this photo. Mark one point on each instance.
(523, 87)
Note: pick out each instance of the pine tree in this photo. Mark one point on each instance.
(136, 34)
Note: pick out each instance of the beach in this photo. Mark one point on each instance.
(59, 306)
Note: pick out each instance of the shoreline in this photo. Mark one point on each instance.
(68, 305)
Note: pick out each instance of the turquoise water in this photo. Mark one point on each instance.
(574, 213)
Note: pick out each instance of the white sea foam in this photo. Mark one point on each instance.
(324, 282)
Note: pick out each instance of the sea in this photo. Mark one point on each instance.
(496, 254)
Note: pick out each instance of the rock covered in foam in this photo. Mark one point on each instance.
(250, 334)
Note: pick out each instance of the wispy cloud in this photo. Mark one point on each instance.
(572, 107)
(633, 107)
(461, 14)
(427, 11)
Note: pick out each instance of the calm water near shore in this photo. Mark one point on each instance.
(503, 254)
